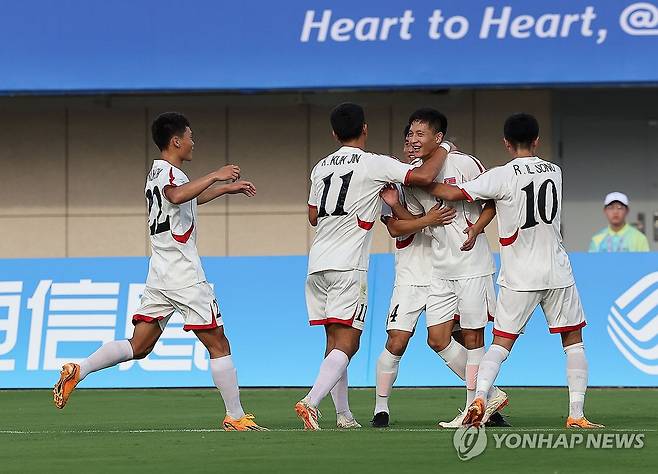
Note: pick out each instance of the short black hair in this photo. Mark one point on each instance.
(166, 126)
(406, 131)
(521, 130)
(432, 117)
(347, 121)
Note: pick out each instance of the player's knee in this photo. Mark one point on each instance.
(473, 338)
(397, 345)
(438, 343)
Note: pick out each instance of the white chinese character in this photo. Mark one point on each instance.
(10, 298)
(165, 356)
(77, 312)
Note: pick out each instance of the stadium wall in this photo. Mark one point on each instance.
(74, 167)
(77, 165)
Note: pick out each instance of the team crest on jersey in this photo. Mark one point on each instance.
(450, 180)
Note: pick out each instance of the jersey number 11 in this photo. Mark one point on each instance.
(342, 195)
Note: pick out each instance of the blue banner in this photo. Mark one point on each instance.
(58, 310)
(150, 45)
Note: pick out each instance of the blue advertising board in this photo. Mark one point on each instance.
(155, 45)
(57, 310)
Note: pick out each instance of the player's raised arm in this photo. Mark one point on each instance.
(176, 194)
(436, 216)
(238, 187)
(424, 175)
(447, 192)
(404, 222)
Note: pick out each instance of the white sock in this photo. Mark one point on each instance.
(387, 371)
(339, 396)
(226, 380)
(576, 378)
(489, 368)
(331, 370)
(455, 356)
(108, 355)
(473, 359)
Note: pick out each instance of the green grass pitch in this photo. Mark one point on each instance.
(177, 430)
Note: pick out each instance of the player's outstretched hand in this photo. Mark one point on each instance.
(472, 233)
(390, 195)
(244, 187)
(228, 172)
(441, 215)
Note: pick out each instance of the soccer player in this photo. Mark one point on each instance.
(535, 268)
(413, 268)
(176, 280)
(343, 203)
(462, 265)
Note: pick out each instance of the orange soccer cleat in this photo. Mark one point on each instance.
(308, 414)
(582, 423)
(475, 413)
(68, 379)
(246, 423)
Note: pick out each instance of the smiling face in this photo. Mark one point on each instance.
(424, 140)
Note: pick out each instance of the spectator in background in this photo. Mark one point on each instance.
(618, 236)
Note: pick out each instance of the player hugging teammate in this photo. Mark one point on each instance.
(438, 202)
(444, 268)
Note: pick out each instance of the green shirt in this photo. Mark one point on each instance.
(628, 239)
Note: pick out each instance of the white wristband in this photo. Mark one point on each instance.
(445, 146)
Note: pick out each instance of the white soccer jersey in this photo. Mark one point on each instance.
(449, 261)
(175, 262)
(528, 195)
(345, 189)
(413, 253)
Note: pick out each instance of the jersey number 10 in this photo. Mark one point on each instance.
(530, 219)
(342, 195)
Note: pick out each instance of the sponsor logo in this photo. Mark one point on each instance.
(633, 324)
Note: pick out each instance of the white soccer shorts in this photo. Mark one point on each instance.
(197, 304)
(337, 297)
(407, 302)
(561, 306)
(470, 301)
